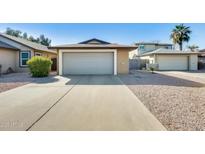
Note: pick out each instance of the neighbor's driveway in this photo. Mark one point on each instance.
(197, 76)
(75, 103)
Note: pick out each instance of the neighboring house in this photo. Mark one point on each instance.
(93, 56)
(15, 52)
(144, 47)
(202, 56)
(167, 59)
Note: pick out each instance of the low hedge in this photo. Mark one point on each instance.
(39, 66)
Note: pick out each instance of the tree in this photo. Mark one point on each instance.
(17, 33)
(12, 32)
(180, 34)
(193, 48)
(32, 39)
(25, 36)
(45, 41)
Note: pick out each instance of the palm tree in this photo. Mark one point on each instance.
(180, 34)
(193, 47)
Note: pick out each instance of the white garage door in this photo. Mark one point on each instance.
(88, 63)
(172, 62)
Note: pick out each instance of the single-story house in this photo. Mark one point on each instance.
(14, 53)
(168, 59)
(93, 56)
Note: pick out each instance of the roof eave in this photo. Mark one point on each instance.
(170, 53)
(131, 48)
(16, 49)
(54, 52)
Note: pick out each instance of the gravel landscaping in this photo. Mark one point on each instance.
(15, 80)
(177, 103)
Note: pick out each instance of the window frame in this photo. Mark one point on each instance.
(38, 54)
(21, 59)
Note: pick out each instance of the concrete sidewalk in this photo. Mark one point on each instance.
(75, 103)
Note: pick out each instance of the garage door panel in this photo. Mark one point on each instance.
(88, 63)
(172, 62)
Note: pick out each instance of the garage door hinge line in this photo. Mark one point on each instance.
(52, 106)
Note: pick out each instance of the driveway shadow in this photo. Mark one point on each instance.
(94, 80)
(147, 78)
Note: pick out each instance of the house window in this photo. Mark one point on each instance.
(24, 57)
(141, 47)
(38, 54)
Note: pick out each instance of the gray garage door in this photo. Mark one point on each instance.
(173, 62)
(88, 63)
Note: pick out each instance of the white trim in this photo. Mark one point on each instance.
(60, 63)
(86, 50)
(115, 62)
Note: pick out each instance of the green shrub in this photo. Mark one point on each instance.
(39, 66)
(152, 69)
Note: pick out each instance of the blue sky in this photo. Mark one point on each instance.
(116, 33)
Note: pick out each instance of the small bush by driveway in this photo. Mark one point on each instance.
(178, 104)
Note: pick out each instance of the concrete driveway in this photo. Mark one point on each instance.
(75, 103)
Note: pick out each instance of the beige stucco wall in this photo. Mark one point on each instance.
(122, 61)
(8, 59)
(193, 62)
